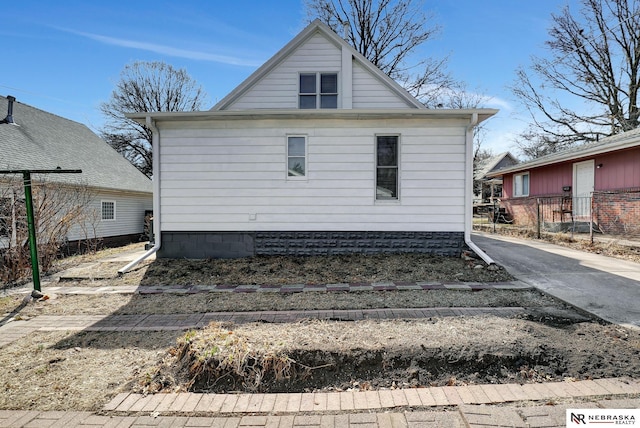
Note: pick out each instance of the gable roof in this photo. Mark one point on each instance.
(625, 140)
(489, 164)
(42, 140)
(315, 27)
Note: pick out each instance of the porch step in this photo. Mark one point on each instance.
(567, 226)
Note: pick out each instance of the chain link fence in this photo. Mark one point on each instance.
(614, 214)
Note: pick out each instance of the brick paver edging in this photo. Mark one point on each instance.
(345, 401)
(296, 288)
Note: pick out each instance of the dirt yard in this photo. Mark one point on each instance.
(83, 370)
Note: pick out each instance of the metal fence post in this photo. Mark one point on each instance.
(538, 219)
(591, 219)
(495, 215)
(33, 246)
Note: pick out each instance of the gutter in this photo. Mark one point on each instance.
(619, 142)
(155, 140)
(358, 114)
(468, 224)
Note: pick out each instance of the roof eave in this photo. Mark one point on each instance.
(622, 145)
(483, 114)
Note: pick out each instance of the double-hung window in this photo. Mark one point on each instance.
(296, 156)
(521, 184)
(387, 162)
(108, 210)
(318, 90)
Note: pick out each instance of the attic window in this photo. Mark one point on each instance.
(318, 90)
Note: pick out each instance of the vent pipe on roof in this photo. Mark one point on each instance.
(9, 118)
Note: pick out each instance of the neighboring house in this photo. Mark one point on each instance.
(317, 152)
(40, 140)
(598, 181)
(488, 189)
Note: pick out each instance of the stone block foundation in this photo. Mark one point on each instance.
(203, 245)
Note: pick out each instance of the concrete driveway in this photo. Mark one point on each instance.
(606, 287)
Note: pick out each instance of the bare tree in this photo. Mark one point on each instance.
(595, 61)
(146, 87)
(388, 33)
(57, 209)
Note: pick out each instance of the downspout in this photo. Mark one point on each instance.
(155, 140)
(468, 191)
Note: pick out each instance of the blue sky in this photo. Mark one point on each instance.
(65, 57)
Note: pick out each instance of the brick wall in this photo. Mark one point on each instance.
(618, 213)
(522, 210)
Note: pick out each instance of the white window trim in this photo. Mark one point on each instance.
(515, 189)
(304, 177)
(395, 200)
(102, 210)
(318, 94)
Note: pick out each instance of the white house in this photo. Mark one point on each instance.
(31, 138)
(317, 152)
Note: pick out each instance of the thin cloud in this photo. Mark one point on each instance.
(497, 102)
(166, 50)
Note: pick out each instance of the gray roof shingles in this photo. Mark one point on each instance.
(41, 140)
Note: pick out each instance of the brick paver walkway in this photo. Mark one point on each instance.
(350, 401)
(196, 414)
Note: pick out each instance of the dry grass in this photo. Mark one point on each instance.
(355, 268)
(66, 371)
(369, 354)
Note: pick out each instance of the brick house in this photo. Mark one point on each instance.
(598, 181)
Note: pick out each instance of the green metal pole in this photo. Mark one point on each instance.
(33, 246)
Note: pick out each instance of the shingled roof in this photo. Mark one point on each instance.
(41, 140)
(488, 165)
(624, 140)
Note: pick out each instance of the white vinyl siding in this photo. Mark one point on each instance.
(279, 89)
(227, 176)
(130, 208)
(370, 93)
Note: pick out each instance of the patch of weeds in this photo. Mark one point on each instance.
(217, 358)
